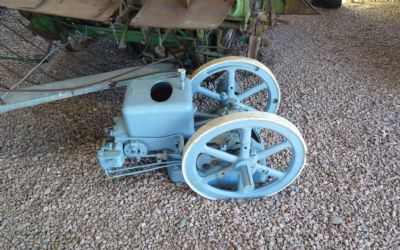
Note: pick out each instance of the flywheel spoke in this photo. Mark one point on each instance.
(252, 91)
(269, 171)
(245, 142)
(209, 93)
(231, 81)
(219, 154)
(273, 150)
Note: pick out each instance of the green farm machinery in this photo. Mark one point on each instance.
(191, 31)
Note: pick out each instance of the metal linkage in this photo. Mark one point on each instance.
(133, 169)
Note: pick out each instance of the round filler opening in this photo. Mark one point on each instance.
(160, 92)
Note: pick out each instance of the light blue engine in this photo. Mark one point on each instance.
(230, 150)
(233, 147)
(157, 118)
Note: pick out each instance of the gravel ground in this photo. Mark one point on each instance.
(340, 81)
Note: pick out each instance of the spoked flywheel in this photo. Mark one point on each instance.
(243, 155)
(229, 90)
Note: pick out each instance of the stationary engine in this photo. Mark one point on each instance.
(223, 152)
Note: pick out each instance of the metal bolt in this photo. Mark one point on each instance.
(224, 96)
(182, 73)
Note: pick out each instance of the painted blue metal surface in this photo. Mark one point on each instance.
(159, 108)
(111, 156)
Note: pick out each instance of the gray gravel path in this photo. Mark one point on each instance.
(340, 79)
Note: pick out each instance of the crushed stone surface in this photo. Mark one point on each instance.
(339, 74)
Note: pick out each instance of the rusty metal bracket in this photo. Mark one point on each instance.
(254, 46)
(193, 14)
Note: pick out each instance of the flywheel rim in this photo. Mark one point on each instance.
(193, 149)
(235, 63)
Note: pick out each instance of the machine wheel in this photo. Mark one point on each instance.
(218, 166)
(327, 4)
(228, 89)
